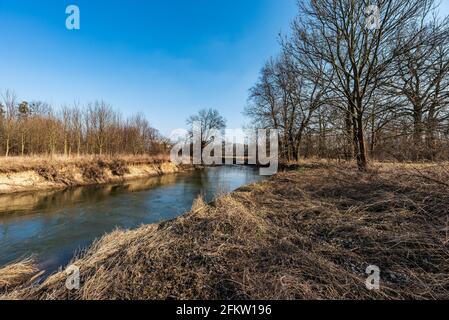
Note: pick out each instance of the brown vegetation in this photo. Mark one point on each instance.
(37, 128)
(309, 233)
(22, 164)
(37, 173)
(17, 274)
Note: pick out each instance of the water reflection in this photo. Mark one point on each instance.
(53, 225)
(48, 201)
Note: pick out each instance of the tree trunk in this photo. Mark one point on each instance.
(417, 132)
(431, 144)
(362, 161)
(78, 147)
(359, 139)
(7, 147)
(23, 144)
(373, 134)
(65, 147)
(349, 137)
(322, 138)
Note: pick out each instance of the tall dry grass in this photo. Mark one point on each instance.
(17, 274)
(20, 164)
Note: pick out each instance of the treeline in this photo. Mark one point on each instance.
(347, 85)
(36, 128)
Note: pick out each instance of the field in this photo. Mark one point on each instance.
(308, 233)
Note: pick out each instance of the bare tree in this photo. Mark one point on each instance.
(423, 81)
(37, 128)
(286, 99)
(23, 121)
(10, 103)
(336, 31)
(76, 123)
(101, 116)
(208, 120)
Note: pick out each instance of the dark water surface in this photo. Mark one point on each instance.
(53, 225)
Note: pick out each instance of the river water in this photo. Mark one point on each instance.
(54, 225)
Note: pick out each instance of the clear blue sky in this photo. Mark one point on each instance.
(165, 58)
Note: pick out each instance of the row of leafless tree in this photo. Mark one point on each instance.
(36, 128)
(349, 86)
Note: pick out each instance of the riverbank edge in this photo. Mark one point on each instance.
(85, 173)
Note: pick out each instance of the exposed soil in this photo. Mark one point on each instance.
(44, 174)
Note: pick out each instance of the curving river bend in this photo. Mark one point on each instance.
(53, 225)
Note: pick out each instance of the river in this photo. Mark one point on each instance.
(53, 226)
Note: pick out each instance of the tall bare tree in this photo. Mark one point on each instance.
(357, 56)
(10, 104)
(209, 121)
(423, 81)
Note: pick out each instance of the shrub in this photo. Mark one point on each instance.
(93, 172)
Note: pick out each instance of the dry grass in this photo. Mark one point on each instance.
(71, 171)
(18, 274)
(304, 234)
(21, 164)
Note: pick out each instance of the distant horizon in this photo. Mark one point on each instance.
(156, 59)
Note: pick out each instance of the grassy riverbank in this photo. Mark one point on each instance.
(21, 174)
(309, 233)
